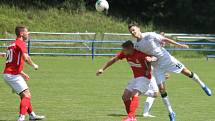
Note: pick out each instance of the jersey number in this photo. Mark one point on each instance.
(179, 66)
(9, 56)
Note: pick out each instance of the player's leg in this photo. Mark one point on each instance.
(24, 104)
(18, 84)
(153, 89)
(134, 102)
(147, 107)
(137, 86)
(196, 78)
(126, 97)
(166, 101)
(160, 79)
(177, 67)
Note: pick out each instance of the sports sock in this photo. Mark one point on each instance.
(196, 78)
(30, 110)
(24, 105)
(133, 106)
(127, 105)
(166, 102)
(21, 117)
(32, 114)
(148, 105)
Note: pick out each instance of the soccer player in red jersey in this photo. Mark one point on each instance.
(141, 67)
(14, 76)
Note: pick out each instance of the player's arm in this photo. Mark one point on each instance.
(108, 64)
(24, 75)
(28, 59)
(151, 58)
(167, 40)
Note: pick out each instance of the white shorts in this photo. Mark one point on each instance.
(141, 84)
(16, 82)
(153, 88)
(171, 64)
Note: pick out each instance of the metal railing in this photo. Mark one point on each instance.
(108, 47)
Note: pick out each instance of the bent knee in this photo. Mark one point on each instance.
(25, 93)
(125, 97)
(156, 94)
(162, 88)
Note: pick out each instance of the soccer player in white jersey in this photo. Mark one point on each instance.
(150, 100)
(151, 44)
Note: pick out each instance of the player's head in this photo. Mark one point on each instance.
(128, 47)
(134, 29)
(22, 31)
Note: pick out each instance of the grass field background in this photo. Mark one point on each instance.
(66, 89)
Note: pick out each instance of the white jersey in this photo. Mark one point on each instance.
(151, 44)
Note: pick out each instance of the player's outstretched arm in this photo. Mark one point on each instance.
(175, 43)
(27, 58)
(108, 64)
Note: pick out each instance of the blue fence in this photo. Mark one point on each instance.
(93, 46)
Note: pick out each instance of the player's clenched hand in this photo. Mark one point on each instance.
(148, 59)
(35, 66)
(99, 72)
(184, 46)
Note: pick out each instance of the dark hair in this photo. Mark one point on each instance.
(19, 29)
(128, 43)
(131, 24)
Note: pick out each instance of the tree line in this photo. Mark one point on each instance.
(188, 15)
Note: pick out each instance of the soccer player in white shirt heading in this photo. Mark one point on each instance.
(151, 44)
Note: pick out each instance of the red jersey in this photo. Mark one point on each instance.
(14, 55)
(139, 65)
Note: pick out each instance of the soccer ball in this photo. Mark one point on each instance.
(101, 5)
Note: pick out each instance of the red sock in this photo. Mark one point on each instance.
(30, 109)
(133, 106)
(127, 105)
(24, 105)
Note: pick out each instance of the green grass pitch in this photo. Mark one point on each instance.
(66, 89)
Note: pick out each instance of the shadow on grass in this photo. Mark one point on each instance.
(121, 115)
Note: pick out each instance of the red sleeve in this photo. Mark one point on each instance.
(143, 56)
(22, 47)
(120, 55)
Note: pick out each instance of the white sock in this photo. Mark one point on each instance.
(196, 78)
(167, 104)
(148, 104)
(21, 117)
(32, 114)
